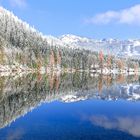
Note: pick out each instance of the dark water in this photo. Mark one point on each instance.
(76, 106)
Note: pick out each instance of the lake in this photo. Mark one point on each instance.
(78, 106)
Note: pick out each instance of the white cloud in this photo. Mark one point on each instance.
(18, 3)
(130, 16)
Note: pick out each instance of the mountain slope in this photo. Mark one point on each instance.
(23, 46)
(126, 48)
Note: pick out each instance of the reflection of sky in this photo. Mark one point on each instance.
(127, 124)
(87, 119)
(15, 134)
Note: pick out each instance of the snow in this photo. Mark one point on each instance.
(70, 39)
(125, 48)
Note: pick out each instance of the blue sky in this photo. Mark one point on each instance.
(90, 18)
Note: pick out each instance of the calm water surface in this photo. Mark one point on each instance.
(69, 106)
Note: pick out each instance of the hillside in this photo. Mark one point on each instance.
(24, 48)
(120, 48)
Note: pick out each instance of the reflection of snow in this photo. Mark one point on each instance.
(72, 98)
(129, 92)
(133, 91)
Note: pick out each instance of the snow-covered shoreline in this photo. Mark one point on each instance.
(7, 70)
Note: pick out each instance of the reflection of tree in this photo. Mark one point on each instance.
(2, 86)
(51, 81)
(100, 84)
(20, 94)
(109, 80)
(54, 82)
(57, 82)
(120, 78)
(136, 76)
(136, 67)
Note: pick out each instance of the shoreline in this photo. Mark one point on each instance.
(17, 70)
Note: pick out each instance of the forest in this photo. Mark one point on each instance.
(23, 47)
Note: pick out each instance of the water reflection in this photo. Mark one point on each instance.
(21, 94)
(15, 134)
(127, 124)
